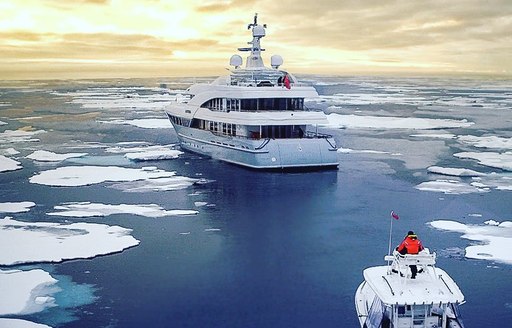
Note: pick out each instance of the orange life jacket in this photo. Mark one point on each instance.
(411, 245)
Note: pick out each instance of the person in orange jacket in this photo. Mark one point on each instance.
(411, 245)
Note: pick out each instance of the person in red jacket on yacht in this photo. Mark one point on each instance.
(411, 245)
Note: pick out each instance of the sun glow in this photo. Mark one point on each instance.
(193, 37)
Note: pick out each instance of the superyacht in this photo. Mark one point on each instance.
(255, 116)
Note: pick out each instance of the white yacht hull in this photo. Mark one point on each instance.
(267, 153)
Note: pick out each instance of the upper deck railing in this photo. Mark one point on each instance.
(260, 78)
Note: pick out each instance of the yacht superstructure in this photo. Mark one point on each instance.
(254, 117)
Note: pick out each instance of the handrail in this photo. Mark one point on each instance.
(267, 140)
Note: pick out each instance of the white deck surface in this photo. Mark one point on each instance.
(430, 286)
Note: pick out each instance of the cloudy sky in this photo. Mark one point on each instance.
(149, 38)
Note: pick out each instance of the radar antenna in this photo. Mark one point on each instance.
(258, 31)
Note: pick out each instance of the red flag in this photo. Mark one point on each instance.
(286, 82)
(394, 215)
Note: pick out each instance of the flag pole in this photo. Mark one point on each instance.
(394, 216)
(390, 232)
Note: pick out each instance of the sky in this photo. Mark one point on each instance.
(55, 39)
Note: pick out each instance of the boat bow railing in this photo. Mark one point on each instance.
(400, 263)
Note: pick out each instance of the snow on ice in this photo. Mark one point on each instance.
(87, 209)
(496, 160)
(19, 323)
(9, 152)
(145, 123)
(494, 239)
(32, 242)
(25, 292)
(13, 136)
(459, 172)
(7, 164)
(450, 187)
(87, 175)
(147, 153)
(48, 156)
(487, 142)
(383, 122)
(16, 207)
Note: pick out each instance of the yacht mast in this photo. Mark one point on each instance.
(258, 31)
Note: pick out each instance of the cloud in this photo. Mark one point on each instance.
(312, 36)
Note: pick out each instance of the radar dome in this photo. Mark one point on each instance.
(258, 31)
(276, 61)
(236, 61)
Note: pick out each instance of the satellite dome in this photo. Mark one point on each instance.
(276, 61)
(258, 31)
(236, 61)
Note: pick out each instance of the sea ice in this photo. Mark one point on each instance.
(13, 136)
(496, 239)
(435, 136)
(87, 209)
(494, 180)
(16, 207)
(487, 142)
(69, 176)
(25, 292)
(365, 151)
(146, 123)
(157, 184)
(156, 154)
(9, 152)
(121, 98)
(497, 160)
(146, 153)
(458, 172)
(383, 122)
(19, 323)
(450, 187)
(7, 164)
(48, 156)
(31, 242)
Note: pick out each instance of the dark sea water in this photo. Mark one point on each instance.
(269, 249)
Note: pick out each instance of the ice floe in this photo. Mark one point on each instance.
(25, 292)
(495, 239)
(146, 123)
(375, 98)
(48, 156)
(365, 151)
(383, 122)
(496, 160)
(7, 164)
(435, 136)
(9, 152)
(16, 207)
(19, 323)
(31, 242)
(494, 142)
(493, 180)
(2, 122)
(121, 98)
(157, 184)
(458, 172)
(14, 136)
(450, 187)
(87, 209)
(144, 152)
(87, 175)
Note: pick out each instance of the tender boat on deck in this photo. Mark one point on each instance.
(254, 117)
(388, 297)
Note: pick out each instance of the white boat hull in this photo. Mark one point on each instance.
(260, 153)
